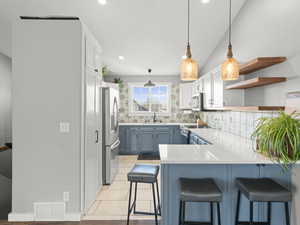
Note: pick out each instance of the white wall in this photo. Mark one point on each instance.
(266, 28)
(46, 91)
(5, 99)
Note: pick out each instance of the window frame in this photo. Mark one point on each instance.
(140, 84)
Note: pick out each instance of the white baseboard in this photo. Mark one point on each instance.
(20, 217)
(73, 217)
(29, 217)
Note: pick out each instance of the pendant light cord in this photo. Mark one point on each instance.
(188, 30)
(230, 22)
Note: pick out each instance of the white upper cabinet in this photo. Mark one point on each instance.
(186, 93)
(207, 91)
(215, 95)
(197, 87)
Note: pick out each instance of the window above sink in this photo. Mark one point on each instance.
(149, 100)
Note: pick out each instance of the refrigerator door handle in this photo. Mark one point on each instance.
(97, 136)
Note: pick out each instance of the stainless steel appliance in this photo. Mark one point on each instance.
(197, 102)
(111, 142)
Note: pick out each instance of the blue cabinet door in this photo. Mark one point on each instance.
(163, 135)
(132, 140)
(146, 140)
(123, 140)
(178, 138)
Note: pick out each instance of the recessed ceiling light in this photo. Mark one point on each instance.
(205, 1)
(121, 57)
(102, 2)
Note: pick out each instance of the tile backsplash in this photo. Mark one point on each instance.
(177, 115)
(238, 123)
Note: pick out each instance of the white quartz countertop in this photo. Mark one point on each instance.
(226, 148)
(155, 124)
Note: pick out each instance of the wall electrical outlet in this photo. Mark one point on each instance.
(64, 127)
(66, 196)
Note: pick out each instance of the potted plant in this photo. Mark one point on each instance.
(279, 138)
(119, 82)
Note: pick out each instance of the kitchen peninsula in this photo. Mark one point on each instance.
(226, 158)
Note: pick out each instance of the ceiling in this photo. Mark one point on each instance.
(148, 33)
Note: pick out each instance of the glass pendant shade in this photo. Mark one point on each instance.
(189, 70)
(230, 69)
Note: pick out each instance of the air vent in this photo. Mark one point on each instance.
(49, 211)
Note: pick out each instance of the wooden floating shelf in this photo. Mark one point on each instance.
(3, 148)
(256, 82)
(254, 108)
(260, 63)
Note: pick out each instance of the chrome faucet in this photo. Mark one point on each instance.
(154, 118)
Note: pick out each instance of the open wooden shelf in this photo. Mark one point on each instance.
(256, 82)
(254, 108)
(260, 63)
(3, 148)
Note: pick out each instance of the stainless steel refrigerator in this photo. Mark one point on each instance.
(111, 142)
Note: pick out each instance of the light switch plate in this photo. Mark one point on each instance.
(64, 127)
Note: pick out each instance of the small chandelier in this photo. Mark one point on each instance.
(189, 67)
(230, 69)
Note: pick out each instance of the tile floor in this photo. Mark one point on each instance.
(112, 200)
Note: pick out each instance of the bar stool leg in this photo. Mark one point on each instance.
(237, 214)
(180, 213)
(211, 213)
(158, 199)
(269, 212)
(287, 214)
(129, 204)
(219, 213)
(251, 212)
(154, 203)
(135, 193)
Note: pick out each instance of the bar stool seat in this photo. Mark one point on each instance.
(263, 190)
(143, 173)
(199, 190)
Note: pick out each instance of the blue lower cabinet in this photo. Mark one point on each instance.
(141, 139)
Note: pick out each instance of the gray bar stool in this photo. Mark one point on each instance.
(262, 190)
(144, 173)
(199, 190)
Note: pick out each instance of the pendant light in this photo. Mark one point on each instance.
(230, 69)
(149, 83)
(189, 67)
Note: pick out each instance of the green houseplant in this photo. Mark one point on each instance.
(279, 138)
